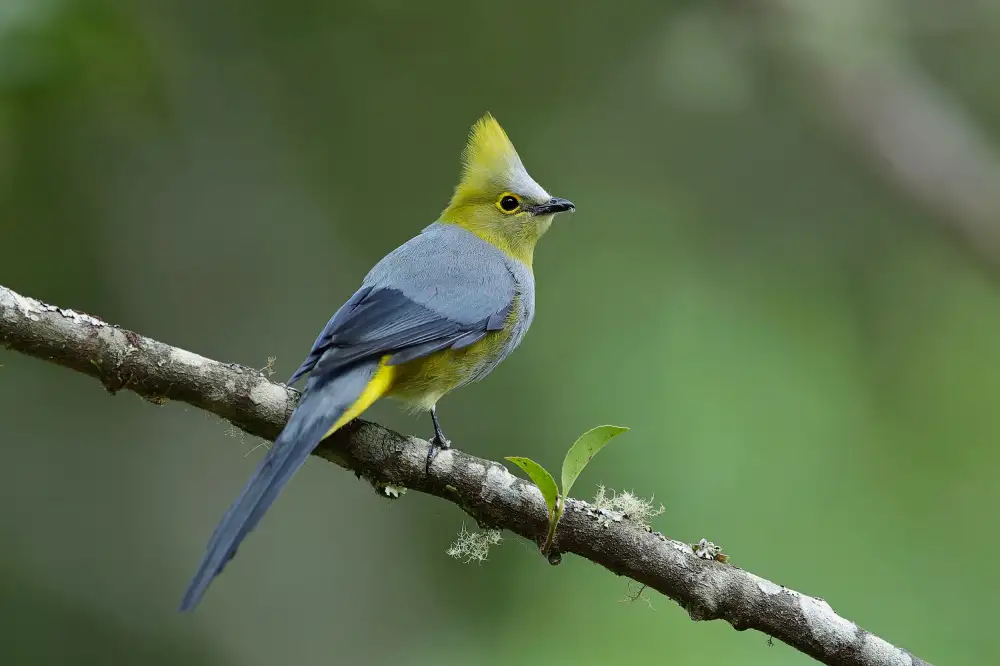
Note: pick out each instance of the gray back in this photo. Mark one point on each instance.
(460, 276)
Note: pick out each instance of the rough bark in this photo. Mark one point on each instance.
(708, 589)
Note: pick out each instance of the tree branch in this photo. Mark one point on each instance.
(486, 490)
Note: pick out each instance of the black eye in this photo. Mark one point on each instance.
(509, 204)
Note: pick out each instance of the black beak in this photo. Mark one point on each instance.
(554, 205)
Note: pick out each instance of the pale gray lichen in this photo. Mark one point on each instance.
(268, 370)
(474, 546)
(267, 395)
(28, 307)
(707, 550)
(499, 476)
(385, 489)
(632, 597)
(187, 358)
(627, 505)
(77, 317)
(825, 625)
(769, 588)
(392, 492)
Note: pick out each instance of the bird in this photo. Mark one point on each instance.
(437, 313)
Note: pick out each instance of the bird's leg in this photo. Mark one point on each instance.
(439, 438)
(438, 442)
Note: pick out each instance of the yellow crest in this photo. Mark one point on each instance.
(489, 155)
(492, 172)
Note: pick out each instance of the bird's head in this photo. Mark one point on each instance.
(496, 199)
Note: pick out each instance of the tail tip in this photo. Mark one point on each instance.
(193, 595)
(188, 604)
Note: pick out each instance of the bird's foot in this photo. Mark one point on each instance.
(438, 443)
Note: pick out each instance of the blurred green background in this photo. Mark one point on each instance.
(807, 357)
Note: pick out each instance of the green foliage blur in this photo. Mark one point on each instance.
(809, 366)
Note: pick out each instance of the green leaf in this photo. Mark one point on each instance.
(583, 449)
(542, 479)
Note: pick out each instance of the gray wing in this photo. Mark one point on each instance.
(444, 288)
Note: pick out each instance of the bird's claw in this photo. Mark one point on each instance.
(437, 444)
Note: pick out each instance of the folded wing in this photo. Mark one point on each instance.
(445, 288)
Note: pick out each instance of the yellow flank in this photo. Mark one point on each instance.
(423, 381)
(377, 387)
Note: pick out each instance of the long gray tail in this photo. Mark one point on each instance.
(324, 400)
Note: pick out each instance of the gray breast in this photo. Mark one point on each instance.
(524, 281)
